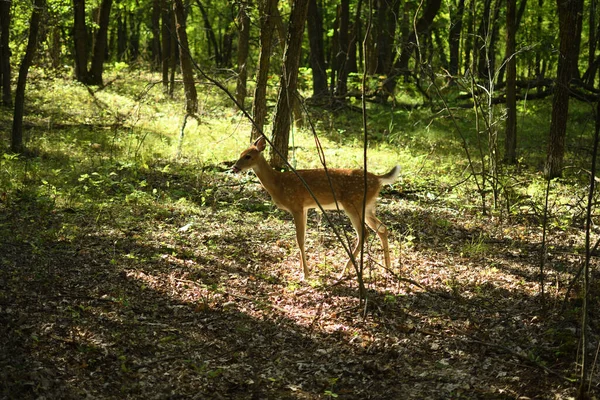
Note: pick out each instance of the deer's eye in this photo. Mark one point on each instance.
(247, 156)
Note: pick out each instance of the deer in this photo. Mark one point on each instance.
(333, 189)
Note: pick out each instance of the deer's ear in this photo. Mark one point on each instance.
(260, 143)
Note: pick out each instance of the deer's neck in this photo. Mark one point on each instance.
(267, 175)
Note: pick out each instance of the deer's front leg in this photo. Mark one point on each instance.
(300, 222)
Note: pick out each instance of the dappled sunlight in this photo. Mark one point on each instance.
(130, 272)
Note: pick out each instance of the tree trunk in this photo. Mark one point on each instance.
(487, 35)
(174, 60)
(510, 144)
(289, 80)
(17, 128)
(469, 38)
(121, 35)
(518, 17)
(80, 38)
(155, 50)
(341, 86)
(386, 16)
(267, 27)
(569, 12)
(185, 60)
(538, 27)
(95, 74)
(355, 34)
(55, 46)
(5, 52)
(314, 25)
(242, 54)
(210, 33)
(423, 25)
(166, 50)
(456, 22)
(134, 37)
(482, 41)
(227, 47)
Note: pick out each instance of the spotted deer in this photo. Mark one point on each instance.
(342, 186)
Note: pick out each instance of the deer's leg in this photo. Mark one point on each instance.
(356, 220)
(381, 230)
(300, 222)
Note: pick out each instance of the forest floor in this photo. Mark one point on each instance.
(142, 300)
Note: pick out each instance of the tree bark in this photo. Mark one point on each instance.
(386, 17)
(80, 38)
(5, 52)
(134, 37)
(341, 86)
(17, 128)
(210, 33)
(121, 35)
(155, 46)
(469, 38)
(355, 34)
(456, 22)
(289, 80)
(314, 25)
(569, 12)
(242, 54)
(423, 25)
(483, 40)
(189, 86)
(167, 30)
(95, 73)
(267, 27)
(510, 143)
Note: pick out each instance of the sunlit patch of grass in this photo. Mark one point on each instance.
(475, 247)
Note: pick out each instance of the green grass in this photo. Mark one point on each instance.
(120, 143)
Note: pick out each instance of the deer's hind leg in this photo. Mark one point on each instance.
(356, 220)
(378, 227)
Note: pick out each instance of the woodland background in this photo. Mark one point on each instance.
(134, 264)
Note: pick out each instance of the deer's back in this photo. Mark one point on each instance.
(347, 184)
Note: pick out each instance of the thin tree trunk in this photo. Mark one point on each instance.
(121, 35)
(155, 48)
(355, 33)
(81, 41)
(469, 39)
(189, 86)
(134, 37)
(55, 46)
(423, 25)
(167, 51)
(314, 25)
(174, 60)
(5, 52)
(289, 80)
(341, 87)
(585, 359)
(259, 106)
(569, 11)
(17, 128)
(456, 22)
(95, 74)
(210, 33)
(510, 144)
(242, 54)
(387, 12)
